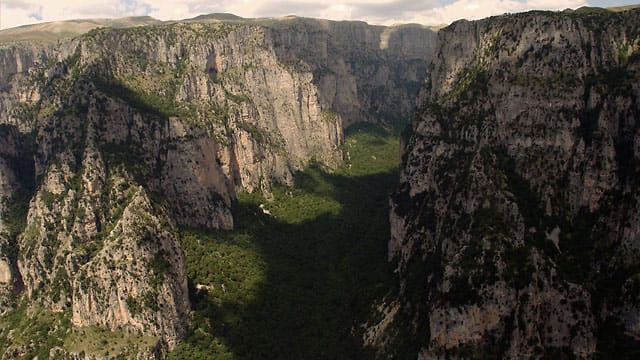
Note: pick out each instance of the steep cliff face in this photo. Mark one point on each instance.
(113, 139)
(264, 118)
(143, 254)
(515, 225)
(364, 73)
(110, 141)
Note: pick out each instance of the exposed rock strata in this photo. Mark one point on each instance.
(364, 73)
(514, 228)
(134, 109)
(113, 139)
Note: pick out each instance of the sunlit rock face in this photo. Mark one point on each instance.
(112, 140)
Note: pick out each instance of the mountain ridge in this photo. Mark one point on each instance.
(49, 32)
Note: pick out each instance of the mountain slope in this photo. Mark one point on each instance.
(364, 72)
(514, 228)
(132, 134)
(51, 31)
(114, 139)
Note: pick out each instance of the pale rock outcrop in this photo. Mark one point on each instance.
(141, 253)
(363, 72)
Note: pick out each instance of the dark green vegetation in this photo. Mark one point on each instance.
(299, 282)
(29, 332)
(32, 332)
(294, 284)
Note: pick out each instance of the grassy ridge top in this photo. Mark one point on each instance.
(57, 30)
(623, 8)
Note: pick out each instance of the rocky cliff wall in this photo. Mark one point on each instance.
(113, 139)
(364, 73)
(117, 137)
(514, 228)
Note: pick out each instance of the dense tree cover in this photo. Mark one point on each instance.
(300, 282)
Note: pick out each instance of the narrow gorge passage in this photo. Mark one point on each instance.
(298, 275)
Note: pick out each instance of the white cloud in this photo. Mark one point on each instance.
(18, 12)
(15, 12)
(338, 11)
(176, 9)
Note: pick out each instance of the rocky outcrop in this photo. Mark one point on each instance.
(513, 228)
(128, 135)
(265, 119)
(114, 139)
(141, 251)
(363, 72)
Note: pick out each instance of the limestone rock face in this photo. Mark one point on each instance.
(150, 295)
(264, 119)
(112, 140)
(126, 135)
(364, 73)
(514, 227)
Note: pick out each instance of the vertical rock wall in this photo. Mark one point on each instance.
(512, 228)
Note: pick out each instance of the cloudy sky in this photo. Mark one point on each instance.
(429, 12)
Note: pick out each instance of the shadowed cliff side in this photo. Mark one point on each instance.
(514, 228)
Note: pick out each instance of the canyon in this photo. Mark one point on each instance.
(116, 138)
(181, 189)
